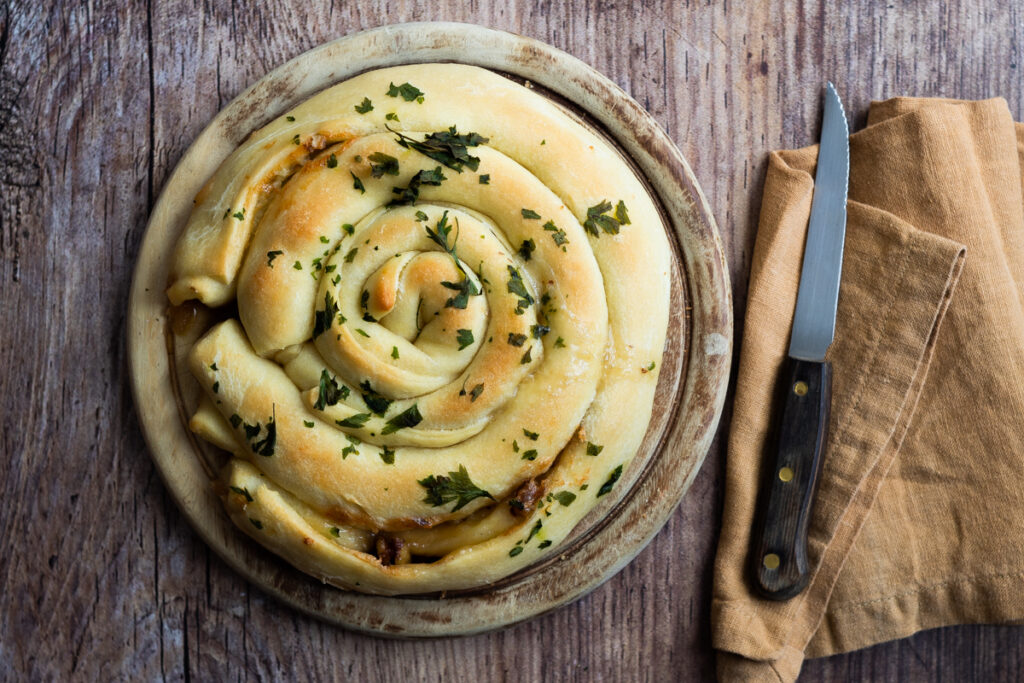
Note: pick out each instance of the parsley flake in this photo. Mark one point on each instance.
(354, 421)
(612, 478)
(594, 449)
(457, 486)
(565, 497)
(516, 339)
(243, 492)
(526, 249)
(598, 218)
(410, 417)
(387, 455)
(365, 106)
(381, 163)
(465, 338)
(446, 147)
(485, 179)
(407, 91)
(530, 214)
(375, 402)
(357, 183)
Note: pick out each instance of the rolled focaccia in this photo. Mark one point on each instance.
(452, 302)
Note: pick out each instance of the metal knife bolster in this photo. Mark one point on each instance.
(779, 554)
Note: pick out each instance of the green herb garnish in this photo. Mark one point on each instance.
(465, 338)
(411, 193)
(446, 147)
(365, 106)
(607, 486)
(407, 91)
(530, 214)
(457, 486)
(485, 179)
(354, 421)
(526, 249)
(594, 449)
(375, 402)
(387, 455)
(357, 183)
(324, 319)
(565, 497)
(516, 339)
(410, 417)
(381, 163)
(243, 492)
(597, 217)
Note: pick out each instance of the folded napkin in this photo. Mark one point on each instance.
(918, 520)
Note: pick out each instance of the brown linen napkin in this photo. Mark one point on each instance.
(919, 516)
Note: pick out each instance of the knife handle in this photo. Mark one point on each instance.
(780, 554)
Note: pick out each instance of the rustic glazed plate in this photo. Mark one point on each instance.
(691, 385)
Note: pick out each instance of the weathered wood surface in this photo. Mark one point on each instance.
(102, 579)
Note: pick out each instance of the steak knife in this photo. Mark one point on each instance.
(786, 500)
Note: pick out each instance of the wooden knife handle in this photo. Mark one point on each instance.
(780, 553)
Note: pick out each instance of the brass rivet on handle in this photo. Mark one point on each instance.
(800, 388)
(771, 561)
(786, 474)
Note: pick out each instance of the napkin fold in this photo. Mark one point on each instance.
(918, 520)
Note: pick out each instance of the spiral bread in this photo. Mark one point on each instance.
(452, 302)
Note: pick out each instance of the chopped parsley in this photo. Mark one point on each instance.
(518, 287)
(256, 523)
(348, 228)
(350, 449)
(309, 424)
(544, 544)
(394, 352)
(323, 319)
(530, 454)
(350, 256)
(391, 116)
(465, 338)
(565, 497)
(538, 331)
(598, 217)
(243, 492)
(357, 183)
(534, 531)
(266, 445)
(446, 147)
(381, 163)
(407, 91)
(516, 339)
(411, 193)
(475, 392)
(235, 420)
(557, 234)
(297, 266)
(240, 215)
(332, 161)
(355, 421)
(526, 357)
(532, 436)
(612, 478)
(410, 417)
(375, 402)
(365, 106)
(213, 366)
(485, 179)
(216, 387)
(295, 140)
(289, 118)
(559, 343)
(526, 249)
(594, 449)
(515, 551)
(388, 455)
(530, 214)
(363, 332)
(420, 216)
(457, 486)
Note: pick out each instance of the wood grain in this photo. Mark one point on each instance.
(102, 578)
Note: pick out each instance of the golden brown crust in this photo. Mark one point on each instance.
(402, 376)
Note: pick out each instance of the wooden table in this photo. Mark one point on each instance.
(102, 579)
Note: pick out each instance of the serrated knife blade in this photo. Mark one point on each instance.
(779, 554)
